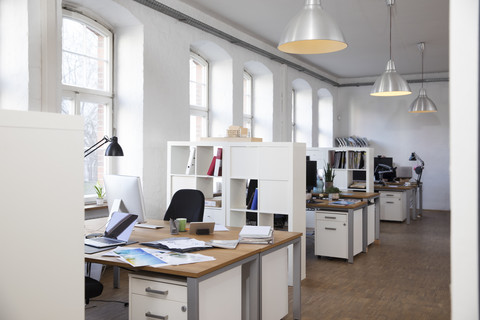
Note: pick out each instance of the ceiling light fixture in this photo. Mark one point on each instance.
(312, 31)
(422, 104)
(390, 83)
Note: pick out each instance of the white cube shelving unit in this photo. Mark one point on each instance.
(279, 168)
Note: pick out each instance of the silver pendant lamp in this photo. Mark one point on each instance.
(422, 104)
(312, 31)
(390, 83)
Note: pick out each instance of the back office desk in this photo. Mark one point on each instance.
(248, 257)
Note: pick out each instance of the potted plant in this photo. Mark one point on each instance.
(100, 193)
(328, 175)
(333, 193)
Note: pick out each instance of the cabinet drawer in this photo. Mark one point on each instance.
(147, 308)
(334, 216)
(331, 239)
(390, 195)
(158, 289)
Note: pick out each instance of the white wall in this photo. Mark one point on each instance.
(464, 89)
(395, 132)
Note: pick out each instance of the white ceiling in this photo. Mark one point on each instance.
(365, 25)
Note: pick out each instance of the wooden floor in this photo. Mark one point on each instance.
(406, 276)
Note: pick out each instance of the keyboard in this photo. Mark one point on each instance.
(103, 242)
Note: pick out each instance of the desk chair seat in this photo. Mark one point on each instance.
(186, 203)
(93, 288)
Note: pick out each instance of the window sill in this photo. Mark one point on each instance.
(94, 211)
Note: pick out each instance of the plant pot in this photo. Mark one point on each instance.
(100, 201)
(328, 184)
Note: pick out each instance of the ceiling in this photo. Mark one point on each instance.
(365, 24)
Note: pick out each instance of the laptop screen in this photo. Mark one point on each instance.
(120, 225)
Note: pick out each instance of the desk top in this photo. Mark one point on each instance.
(325, 204)
(393, 187)
(224, 257)
(354, 195)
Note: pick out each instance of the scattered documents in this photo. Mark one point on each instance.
(139, 257)
(343, 202)
(226, 244)
(180, 244)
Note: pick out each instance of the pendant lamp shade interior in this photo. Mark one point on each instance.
(390, 83)
(312, 31)
(422, 104)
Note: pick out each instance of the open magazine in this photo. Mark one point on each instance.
(140, 257)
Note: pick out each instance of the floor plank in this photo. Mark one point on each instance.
(406, 276)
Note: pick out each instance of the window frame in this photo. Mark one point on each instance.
(196, 110)
(80, 95)
(248, 117)
(294, 109)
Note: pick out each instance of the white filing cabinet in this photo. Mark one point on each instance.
(158, 297)
(393, 205)
(166, 297)
(331, 233)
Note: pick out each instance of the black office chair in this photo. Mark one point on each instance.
(93, 288)
(186, 203)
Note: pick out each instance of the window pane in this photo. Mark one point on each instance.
(247, 94)
(198, 84)
(94, 131)
(68, 106)
(84, 56)
(198, 127)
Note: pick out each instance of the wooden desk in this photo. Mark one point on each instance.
(411, 192)
(248, 256)
(326, 205)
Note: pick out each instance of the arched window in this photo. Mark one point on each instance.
(87, 87)
(247, 102)
(294, 101)
(198, 97)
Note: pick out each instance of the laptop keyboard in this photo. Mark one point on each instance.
(107, 240)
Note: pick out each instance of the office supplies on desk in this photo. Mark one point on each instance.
(117, 232)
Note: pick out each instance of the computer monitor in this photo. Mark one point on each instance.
(311, 175)
(124, 193)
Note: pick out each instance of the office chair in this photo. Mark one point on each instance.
(93, 288)
(186, 203)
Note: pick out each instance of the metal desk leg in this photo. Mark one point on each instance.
(192, 299)
(409, 199)
(377, 218)
(365, 228)
(297, 275)
(350, 235)
(116, 277)
(420, 199)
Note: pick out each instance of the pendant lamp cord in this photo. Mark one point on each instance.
(390, 7)
(422, 67)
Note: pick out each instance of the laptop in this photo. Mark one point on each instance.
(117, 232)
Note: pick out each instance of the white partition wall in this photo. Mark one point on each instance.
(41, 169)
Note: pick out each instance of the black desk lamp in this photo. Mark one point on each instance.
(113, 150)
(418, 169)
(380, 172)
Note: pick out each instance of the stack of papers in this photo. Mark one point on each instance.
(256, 235)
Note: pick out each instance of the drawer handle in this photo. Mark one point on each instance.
(150, 290)
(390, 202)
(327, 217)
(151, 315)
(390, 195)
(327, 228)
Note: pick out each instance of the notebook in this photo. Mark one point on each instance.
(117, 232)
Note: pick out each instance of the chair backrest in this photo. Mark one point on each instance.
(186, 203)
